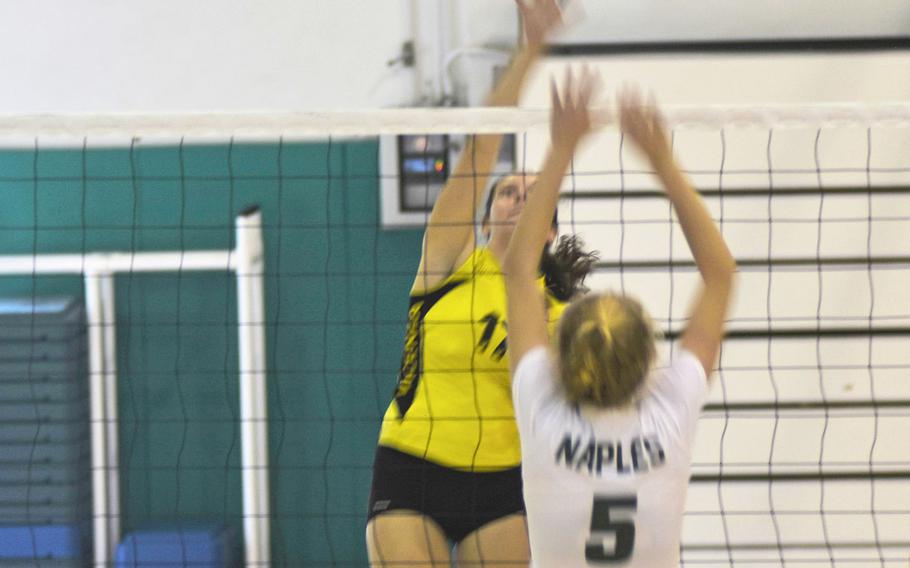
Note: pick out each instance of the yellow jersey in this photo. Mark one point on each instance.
(453, 400)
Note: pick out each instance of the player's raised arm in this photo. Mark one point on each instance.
(705, 331)
(570, 122)
(449, 236)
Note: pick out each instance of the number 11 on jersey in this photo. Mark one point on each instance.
(612, 530)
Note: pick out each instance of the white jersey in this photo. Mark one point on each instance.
(606, 488)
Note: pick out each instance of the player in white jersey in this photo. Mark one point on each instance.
(606, 436)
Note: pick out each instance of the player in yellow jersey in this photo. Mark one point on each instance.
(447, 469)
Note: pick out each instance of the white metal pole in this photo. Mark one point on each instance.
(109, 319)
(112, 262)
(253, 388)
(100, 501)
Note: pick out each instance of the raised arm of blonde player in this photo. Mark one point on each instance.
(570, 122)
(449, 236)
(702, 337)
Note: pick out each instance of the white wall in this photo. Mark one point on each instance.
(105, 55)
(705, 20)
(747, 79)
(148, 55)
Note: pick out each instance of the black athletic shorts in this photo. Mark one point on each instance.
(460, 502)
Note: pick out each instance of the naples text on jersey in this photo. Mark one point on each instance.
(637, 455)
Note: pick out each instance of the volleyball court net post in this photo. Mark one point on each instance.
(800, 454)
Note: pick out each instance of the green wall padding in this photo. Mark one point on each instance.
(336, 293)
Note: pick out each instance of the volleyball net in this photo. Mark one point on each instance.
(244, 308)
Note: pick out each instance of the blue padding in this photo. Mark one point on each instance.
(198, 547)
(40, 541)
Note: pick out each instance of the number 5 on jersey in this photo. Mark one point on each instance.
(612, 530)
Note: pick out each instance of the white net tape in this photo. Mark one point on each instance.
(253, 126)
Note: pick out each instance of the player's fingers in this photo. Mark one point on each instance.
(593, 84)
(553, 11)
(555, 103)
(627, 107)
(567, 85)
(657, 116)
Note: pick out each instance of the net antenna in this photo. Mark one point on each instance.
(98, 270)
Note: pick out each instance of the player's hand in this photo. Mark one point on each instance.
(570, 116)
(539, 18)
(644, 125)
